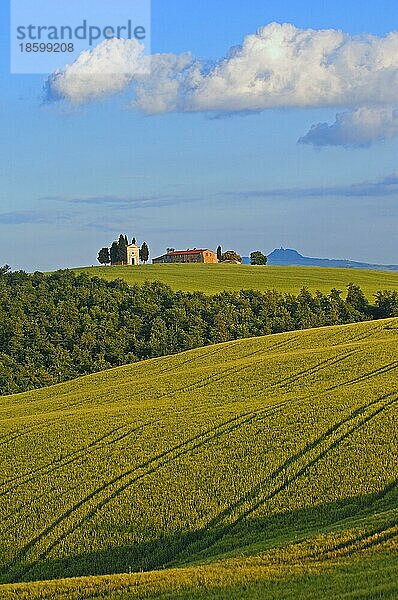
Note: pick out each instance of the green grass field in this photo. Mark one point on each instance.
(212, 279)
(263, 468)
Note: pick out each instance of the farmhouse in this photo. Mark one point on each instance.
(188, 256)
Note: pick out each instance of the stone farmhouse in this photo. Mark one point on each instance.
(188, 256)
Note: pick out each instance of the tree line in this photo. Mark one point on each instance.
(256, 257)
(117, 253)
(57, 327)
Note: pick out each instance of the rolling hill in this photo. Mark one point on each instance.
(213, 279)
(262, 468)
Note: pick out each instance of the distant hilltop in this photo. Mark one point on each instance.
(289, 257)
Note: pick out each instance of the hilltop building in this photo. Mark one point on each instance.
(188, 256)
(133, 254)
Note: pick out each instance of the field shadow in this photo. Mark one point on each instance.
(249, 536)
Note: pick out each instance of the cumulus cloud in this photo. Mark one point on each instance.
(95, 74)
(280, 66)
(357, 128)
(117, 65)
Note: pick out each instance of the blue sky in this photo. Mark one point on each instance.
(74, 177)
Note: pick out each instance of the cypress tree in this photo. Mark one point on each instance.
(114, 253)
(144, 252)
(122, 249)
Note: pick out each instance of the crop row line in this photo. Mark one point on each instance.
(72, 457)
(363, 541)
(216, 378)
(355, 421)
(133, 475)
(6, 438)
(380, 371)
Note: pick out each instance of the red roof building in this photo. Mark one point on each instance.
(188, 256)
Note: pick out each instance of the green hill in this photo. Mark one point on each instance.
(212, 279)
(262, 468)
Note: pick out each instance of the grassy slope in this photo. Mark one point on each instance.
(216, 278)
(262, 467)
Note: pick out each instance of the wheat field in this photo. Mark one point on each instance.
(212, 279)
(261, 468)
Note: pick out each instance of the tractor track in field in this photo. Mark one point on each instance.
(217, 377)
(363, 377)
(72, 457)
(59, 460)
(363, 541)
(202, 541)
(366, 376)
(363, 415)
(329, 362)
(170, 455)
(285, 381)
(326, 437)
(251, 416)
(190, 360)
(9, 437)
(203, 382)
(213, 378)
(133, 475)
(221, 348)
(282, 343)
(357, 337)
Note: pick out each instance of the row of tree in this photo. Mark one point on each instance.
(60, 326)
(256, 257)
(117, 253)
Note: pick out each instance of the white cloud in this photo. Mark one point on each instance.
(106, 70)
(167, 86)
(280, 66)
(358, 128)
(115, 65)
